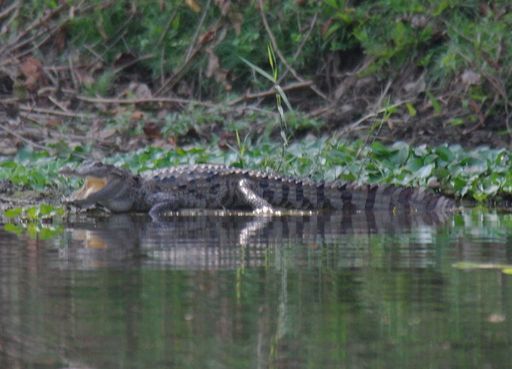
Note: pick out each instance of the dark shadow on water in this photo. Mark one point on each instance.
(210, 241)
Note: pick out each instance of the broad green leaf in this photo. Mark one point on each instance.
(456, 121)
(381, 150)
(46, 233)
(435, 103)
(410, 109)
(13, 228)
(444, 153)
(13, 213)
(32, 213)
(425, 172)
(33, 230)
(46, 209)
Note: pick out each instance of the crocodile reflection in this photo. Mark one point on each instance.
(210, 241)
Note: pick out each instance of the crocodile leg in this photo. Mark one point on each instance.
(259, 204)
(251, 230)
(161, 204)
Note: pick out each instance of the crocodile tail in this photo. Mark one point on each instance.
(354, 197)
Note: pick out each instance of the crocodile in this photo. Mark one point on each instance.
(216, 186)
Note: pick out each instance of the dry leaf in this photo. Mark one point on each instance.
(164, 144)
(107, 133)
(206, 37)
(171, 140)
(326, 26)
(496, 318)
(84, 78)
(214, 70)
(141, 90)
(152, 131)
(53, 122)
(213, 63)
(137, 115)
(236, 19)
(193, 5)
(32, 70)
(470, 78)
(226, 140)
(8, 147)
(223, 5)
(60, 39)
(416, 87)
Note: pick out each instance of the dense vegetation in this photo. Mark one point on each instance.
(439, 68)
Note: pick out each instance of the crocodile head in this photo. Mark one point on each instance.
(107, 185)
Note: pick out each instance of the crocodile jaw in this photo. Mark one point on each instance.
(91, 185)
(115, 194)
(106, 185)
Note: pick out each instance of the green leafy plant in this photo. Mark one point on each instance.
(34, 230)
(35, 213)
(37, 221)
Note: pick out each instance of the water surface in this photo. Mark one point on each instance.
(309, 291)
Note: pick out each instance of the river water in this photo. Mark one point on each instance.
(222, 291)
